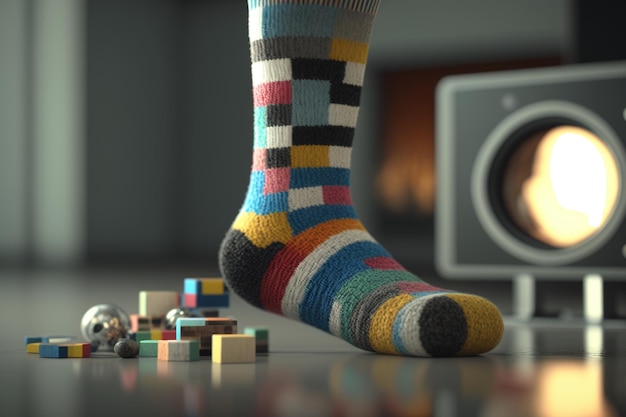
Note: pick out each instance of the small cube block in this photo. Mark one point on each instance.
(205, 292)
(206, 312)
(139, 322)
(178, 350)
(203, 328)
(149, 348)
(61, 339)
(33, 347)
(78, 350)
(142, 335)
(157, 303)
(208, 300)
(261, 336)
(233, 348)
(168, 334)
(35, 339)
(204, 286)
(49, 350)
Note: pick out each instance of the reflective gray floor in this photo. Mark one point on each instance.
(544, 368)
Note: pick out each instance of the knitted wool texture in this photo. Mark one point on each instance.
(297, 247)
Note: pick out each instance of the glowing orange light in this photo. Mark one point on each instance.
(571, 190)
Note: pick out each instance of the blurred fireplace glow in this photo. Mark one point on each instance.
(405, 180)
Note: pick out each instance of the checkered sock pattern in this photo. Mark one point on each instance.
(297, 247)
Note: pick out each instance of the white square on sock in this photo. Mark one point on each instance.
(342, 115)
(354, 73)
(255, 23)
(279, 136)
(305, 197)
(339, 156)
(269, 71)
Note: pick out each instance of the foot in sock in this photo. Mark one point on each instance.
(297, 247)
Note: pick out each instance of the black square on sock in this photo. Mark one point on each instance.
(279, 115)
(347, 94)
(317, 69)
(323, 135)
(278, 157)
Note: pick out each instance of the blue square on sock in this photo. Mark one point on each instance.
(260, 128)
(298, 20)
(311, 100)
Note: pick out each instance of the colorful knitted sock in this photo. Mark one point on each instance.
(297, 247)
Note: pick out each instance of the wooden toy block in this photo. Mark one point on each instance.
(157, 303)
(149, 348)
(233, 348)
(204, 286)
(74, 350)
(142, 335)
(206, 312)
(205, 292)
(33, 347)
(178, 350)
(261, 337)
(154, 335)
(168, 334)
(139, 322)
(35, 339)
(203, 328)
(50, 350)
(210, 300)
(78, 350)
(61, 339)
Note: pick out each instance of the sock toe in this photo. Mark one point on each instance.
(444, 325)
(485, 326)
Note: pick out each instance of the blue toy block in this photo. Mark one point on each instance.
(188, 321)
(48, 350)
(35, 339)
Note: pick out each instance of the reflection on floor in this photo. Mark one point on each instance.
(543, 368)
(537, 372)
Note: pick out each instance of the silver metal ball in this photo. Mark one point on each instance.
(176, 313)
(104, 324)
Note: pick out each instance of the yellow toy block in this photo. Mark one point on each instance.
(233, 348)
(212, 286)
(33, 347)
(78, 350)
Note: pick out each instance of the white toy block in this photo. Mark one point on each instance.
(157, 303)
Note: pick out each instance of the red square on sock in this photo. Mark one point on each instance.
(337, 194)
(276, 180)
(278, 92)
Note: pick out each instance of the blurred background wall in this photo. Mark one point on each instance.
(126, 125)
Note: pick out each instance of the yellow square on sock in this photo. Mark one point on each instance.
(348, 51)
(308, 156)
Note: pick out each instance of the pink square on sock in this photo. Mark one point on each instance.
(276, 180)
(410, 287)
(258, 160)
(337, 194)
(383, 262)
(278, 92)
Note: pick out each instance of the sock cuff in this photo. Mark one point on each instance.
(361, 6)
